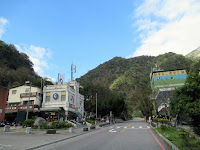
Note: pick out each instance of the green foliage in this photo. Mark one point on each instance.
(55, 125)
(187, 100)
(29, 122)
(15, 67)
(44, 125)
(91, 121)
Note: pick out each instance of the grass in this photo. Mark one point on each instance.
(172, 135)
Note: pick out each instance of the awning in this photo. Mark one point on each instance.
(51, 109)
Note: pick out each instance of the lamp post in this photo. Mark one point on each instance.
(27, 111)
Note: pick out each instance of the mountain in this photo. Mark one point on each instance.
(195, 54)
(126, 75)
(15, 67)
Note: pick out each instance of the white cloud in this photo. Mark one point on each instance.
(3, 23)
(38, 56)
(167, 26)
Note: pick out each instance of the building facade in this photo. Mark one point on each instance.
(163, 84)
(3, 101)
(63, 100)
(18, 102)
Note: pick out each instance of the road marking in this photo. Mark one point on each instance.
(118, 127)
(148, 127)
(125, 128)
(133, 127)
(112, 130)
(3, 146)
(140, 127)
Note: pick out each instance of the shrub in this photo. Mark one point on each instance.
(164, 128)
(44, 125)
(91, 121)
(68, 125)
(62, 124)
(35, 127)
(185, 136)
(55, 125)
(29, 122)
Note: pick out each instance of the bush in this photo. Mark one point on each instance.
(55, 125)
(68, 125)
(91, 121)
(35, 127)
(185, 136)
(62, 124)
(28, 122)
(44, 125)
(164, 128)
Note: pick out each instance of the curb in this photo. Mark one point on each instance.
(166, 140)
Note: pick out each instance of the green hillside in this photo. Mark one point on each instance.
(15, 67)
(126, 75)
(195, 54)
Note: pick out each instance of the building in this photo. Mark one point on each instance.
(63, 101)
(17, 102)
(163, 84)
(3, 101)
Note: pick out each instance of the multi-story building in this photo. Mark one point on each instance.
(3, 102)
(18, 99)
(163, 84)
(63, 100)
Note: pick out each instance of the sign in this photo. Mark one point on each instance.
(53, 113)
(13, 108)
(72, 106)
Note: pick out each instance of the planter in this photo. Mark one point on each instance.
(92, 127)
(28, 130)
(6, 128)
(71, 130)
(85, 129)
(51, 131)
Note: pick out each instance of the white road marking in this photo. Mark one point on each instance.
(118, 127)
(140, 126)
(133, 127)
(112, 130)
(125, 127)
(148, 127)
(3, 146)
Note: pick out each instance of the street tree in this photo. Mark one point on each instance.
(186, 100)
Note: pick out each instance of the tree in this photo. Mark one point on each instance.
(141, 100)
(187, 100)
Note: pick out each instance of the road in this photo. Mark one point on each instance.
(131, 135)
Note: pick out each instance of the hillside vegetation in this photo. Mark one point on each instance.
(126, 75)
(15, 67)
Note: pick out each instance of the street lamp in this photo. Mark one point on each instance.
(30, 83)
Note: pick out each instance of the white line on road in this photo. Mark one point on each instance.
(118, 127)
(112, 130)
(125, 127)
(133, 127)
(148, 127)
(140, 126)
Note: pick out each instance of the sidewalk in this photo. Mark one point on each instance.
(17, 139)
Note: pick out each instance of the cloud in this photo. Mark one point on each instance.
(3, 23)
(38, 55)
(167, 26)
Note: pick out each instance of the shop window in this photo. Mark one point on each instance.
(30, 102)
(14, 91)
(48, 96)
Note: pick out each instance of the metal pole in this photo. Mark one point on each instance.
(96, 106)
(28, 101)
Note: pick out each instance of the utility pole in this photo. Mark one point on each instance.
(96, 106)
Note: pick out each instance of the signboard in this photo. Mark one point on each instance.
(12, 108)
(72, 106)
(53, 113)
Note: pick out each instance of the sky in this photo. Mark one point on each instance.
(87, 33)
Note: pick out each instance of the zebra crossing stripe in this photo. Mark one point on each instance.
(133, 127)
(140, 126)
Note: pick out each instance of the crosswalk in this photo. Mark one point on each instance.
(114, 129)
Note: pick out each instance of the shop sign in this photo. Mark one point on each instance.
(72, 106)
(53, 113)
(11, 108)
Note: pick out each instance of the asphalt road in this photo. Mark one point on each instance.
(132, 135)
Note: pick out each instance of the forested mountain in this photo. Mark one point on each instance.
(195, 54)
(15, 67)
(126, 75)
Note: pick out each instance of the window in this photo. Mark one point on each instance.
(14, 91)
(48, 96)
(158, 78)
(63, 95)
(172, 78)
(30, 102)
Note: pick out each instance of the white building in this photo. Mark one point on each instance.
(64, 96)
(20, 96)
